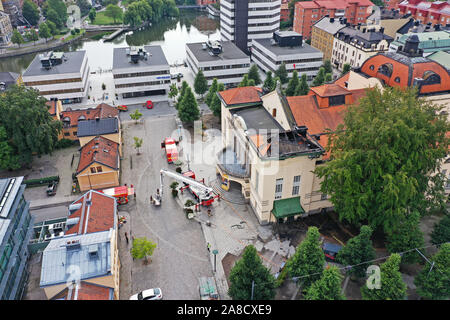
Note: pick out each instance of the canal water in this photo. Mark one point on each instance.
(171, 34)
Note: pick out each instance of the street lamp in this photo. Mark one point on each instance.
(215, 252)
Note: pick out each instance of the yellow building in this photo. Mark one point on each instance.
(322, 35)
(108, 128)
(99, 164)
(84, 264)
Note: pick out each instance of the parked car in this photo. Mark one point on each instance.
(148, 104)
(331, 250)
(51, 189)
(122, 107)
(176, 75)
(149, 294)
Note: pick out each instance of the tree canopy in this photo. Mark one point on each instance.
(28, 125)
(17, 37)
(200, 83)
(328, 287)
(247, 270)
(142, 248)
(303, 88)
(211, 92)
(216, 104)
(441, 231)
(188, 110)
(293, 84)
(380, 165)
(253, 73)
(281, 73)
(113, 11)
(30, 12)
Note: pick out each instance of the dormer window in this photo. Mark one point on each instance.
(431, 77)
(397, 79)
(386, 69)
(336, 100)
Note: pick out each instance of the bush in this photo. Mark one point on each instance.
(72, 32)
(65, 143)
(178, 169)
(40, 181)
(441, 232)
(280, 280)
(77, 31)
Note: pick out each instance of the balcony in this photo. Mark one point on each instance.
(229, 163)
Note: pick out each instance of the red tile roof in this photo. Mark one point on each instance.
(242, 95)
(99, 150)
(103, 110)
(100, 213)
(328, 90)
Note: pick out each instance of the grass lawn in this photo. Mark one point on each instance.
(102, 19)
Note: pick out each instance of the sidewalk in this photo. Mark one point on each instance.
(53, 201)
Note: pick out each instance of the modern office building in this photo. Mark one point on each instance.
(221, 60)
(241, 21)
(322, 35)
(353, 46)
(62, 75)
(15, 232)
(140, 71)
(307, 13)
(287, 47)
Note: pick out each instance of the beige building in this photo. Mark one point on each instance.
(353, 46)
(84, 264)
(6, 29)
(322, 35)
(269, 156)
(108, 128)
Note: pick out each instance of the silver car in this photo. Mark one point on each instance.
(149, 294)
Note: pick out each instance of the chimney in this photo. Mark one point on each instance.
(331, 20)
(97, 118)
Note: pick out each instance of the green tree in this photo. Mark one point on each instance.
(441, 231)
(281, 73)
(138, 144)
(8, 159)
(211, 92)
(244, 82)
(173, 92)
(308, 259)
(253, 73)
(379, 180)
(216, 105)
(29, 126)
(32, 35)
(302, 89)
(327, 66)
(251, 83)
(157, 8)
(392, 286)
(434, 283)
(319, 78)
(132, 15)
(188, 110)
(84, 6)
(17, 38)
(170, 9)
(328, 287)
(269, 83)
(136, 115)
(405, 236)
(200, 83)
(44, 31)
(142, 248)
(30, 12)
(114, 12)
(184, 86)
(108, 2)
(293, 84)
(346, 68)
(52, 26)
(357, 250)
(249, 269)
(56, 11)
(92, 14)
(328, 78)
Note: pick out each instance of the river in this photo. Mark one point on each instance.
(171, 34)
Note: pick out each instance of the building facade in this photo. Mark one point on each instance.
(14, 9)
(241, 21)
(287, 47)
(16, 226)
(353, 46)
(437, 12)
(221, 60)
(322, 35)
(61, 75)
(140, 71)
(307, 13)
(108, 128)
(429, 42)
(6, 30)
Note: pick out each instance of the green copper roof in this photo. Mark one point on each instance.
(287, 207)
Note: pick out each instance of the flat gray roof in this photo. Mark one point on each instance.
(282, 51)
(229, 52)
(71, 64)
(98, 127)
(156, 58)
(325, 24)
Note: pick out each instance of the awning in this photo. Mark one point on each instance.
(287, 207)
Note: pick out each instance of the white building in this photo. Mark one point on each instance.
(241, 21)
(140, 71)
(62, 75)
(287, 47)
(221, 60)
(353, 46)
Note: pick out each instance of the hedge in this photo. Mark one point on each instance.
(40, 181)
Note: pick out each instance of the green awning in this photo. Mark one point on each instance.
(287, 207)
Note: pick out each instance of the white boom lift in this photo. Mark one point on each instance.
(204, 195)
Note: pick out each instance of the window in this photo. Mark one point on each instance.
(67, 134)
(431, 77)
(93, 170)
(75, 133)
(279, 188)
(256, 180)
(386, 69)
(274, 113)
(372, 67)
(99, 169)
(296, 186)
(397, 79)
(336, 100)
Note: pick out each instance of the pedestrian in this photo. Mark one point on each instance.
(208, 246)
(126, 237)
(209, 212)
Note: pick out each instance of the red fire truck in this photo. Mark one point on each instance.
(170, 145)
(122, 193)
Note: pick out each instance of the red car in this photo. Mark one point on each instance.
(148, 104)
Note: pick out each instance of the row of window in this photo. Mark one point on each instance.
(140, 74)
(141, 84)
(234, 66)
(56, 81)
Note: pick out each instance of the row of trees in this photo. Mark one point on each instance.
(141, 11)
(306, 267)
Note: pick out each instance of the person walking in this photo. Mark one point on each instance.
(126, 237)
(208, 246)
